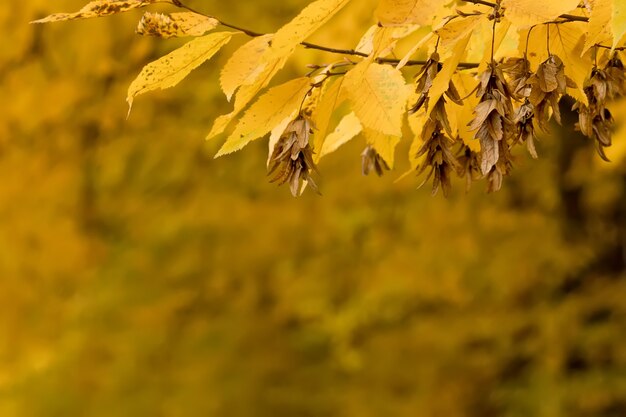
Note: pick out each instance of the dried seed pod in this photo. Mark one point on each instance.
(426, 76)
(439, 159)
(518, 71)
(493, 121)
(549, 83)
(175, 24)
(616, 77)
(525, 130)
(371, 161)
(292, 158)
(468, 166)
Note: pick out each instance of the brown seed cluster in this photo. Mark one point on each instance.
(371, 161)
(549, 83)
(595, 120)
(493, 123)
(438, 158)
(292, 158)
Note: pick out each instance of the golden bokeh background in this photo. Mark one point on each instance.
(141, 277)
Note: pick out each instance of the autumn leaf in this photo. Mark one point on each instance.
(310, 19)
(99, 8)
(175, 24)
(348, 128)
(454, 31)
(599, 29)
(245, 65)
(407, 12)
(253, 85)
(328, 101)
(171, 69)
(618, 21)
(524, 13)
(267, 112)
(378, 94)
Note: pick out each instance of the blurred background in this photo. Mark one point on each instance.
(141, 277)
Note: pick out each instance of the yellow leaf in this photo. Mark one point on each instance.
(175, 24)
(329, 100)
(523, 13)
(99, 8)
(465, 83)
(451, 33)
(618, 23)
(267, 112)
(171, 69)
(385, 145)
(311, 18)
(348, 127)
(599, 24)
(483, 53)
(378, 94)
(408, 12)
(244, 65)
(427, 38)
(442, 80)
(252, 86)
(416, 123)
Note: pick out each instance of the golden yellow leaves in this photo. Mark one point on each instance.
(175, 24)
(245, 65)
(302, 26)
(618, 22)
(348, 128)
(607, 23)
(531, 12)
(408, 12)
(599, 31)
(268, 111)
(171, 69)
(99, 8)
(378, 95)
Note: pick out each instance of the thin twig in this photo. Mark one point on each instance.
(308, 45)
(568, 17)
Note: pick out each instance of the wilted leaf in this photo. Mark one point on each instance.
(171, 69)
(266, 113)
(99, 8)
(175, 24)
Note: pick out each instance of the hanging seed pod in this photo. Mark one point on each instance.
(292, 158)
(493, 121)
(371, 161)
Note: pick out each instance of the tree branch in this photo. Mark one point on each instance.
(308, 45)
(567, 17)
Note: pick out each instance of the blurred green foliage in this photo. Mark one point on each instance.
(140, 277)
